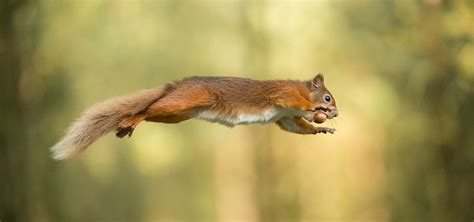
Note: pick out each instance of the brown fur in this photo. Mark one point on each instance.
(226, 97)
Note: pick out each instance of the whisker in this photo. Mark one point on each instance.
(332, 123)
(337, 124)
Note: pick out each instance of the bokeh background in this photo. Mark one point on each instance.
(402, 73)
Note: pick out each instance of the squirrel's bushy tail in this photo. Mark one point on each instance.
(102, 118)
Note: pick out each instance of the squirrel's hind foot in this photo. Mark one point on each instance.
(127, 125)
(123, 131)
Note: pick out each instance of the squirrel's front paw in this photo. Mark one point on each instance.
(323, 130)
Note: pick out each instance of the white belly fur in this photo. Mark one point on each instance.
(269, 115)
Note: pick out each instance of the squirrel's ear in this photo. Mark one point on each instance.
(318, 81)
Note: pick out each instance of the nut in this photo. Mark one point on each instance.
(320, 118)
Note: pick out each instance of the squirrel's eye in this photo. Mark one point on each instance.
(327, 98)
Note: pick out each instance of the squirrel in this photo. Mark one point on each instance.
(230, 101)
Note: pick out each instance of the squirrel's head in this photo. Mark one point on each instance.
(321, 96)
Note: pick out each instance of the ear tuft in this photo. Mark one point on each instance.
(318, 81)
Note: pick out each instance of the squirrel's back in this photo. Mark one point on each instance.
(243, 92)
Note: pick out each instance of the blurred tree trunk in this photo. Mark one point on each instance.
(440, 192)
(444, 100)
(12, 146)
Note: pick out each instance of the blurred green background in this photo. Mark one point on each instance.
(402, 73)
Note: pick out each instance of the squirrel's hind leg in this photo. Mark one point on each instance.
(179, 105)
(127, 125)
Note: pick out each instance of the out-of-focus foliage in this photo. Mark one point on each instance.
(402, 73)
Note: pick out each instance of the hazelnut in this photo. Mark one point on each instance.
(320, 118)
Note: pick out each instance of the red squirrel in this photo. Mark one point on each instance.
(231, 101)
